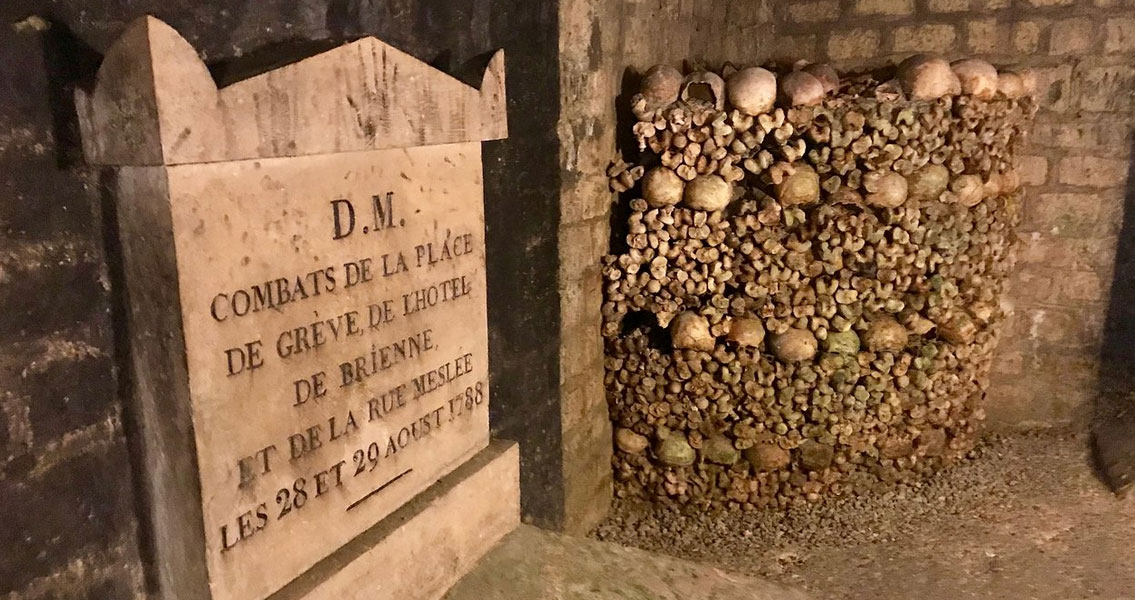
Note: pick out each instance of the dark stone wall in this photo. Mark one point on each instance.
(522, 181)
(67, 490)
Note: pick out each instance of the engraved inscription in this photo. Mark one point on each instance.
(337, 345)
(350, 364)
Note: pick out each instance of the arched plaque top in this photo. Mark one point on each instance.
(154, 103)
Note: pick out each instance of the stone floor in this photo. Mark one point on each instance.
(1026, 518)
(531, 564)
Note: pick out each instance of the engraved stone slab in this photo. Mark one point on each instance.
(337, 353)
(309, 337)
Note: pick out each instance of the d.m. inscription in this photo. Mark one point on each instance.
(366, 323)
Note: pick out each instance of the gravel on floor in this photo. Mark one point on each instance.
(1025, 517)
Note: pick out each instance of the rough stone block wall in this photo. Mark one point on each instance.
(66, 497)
(586, 130)
(1076, 168)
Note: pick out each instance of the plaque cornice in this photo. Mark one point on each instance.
(154, 103)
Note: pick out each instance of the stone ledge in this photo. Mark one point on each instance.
(424, 547)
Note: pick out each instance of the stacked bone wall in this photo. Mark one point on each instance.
(809, 296)
(1071, 293)
(598, 40)
(1072, 290)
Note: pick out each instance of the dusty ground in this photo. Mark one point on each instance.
(534, 564)
(1025, 519)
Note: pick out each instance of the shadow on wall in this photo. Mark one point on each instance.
(1118, 352)
(1113, 424)
(627, 148)
(71, 63)
(68, 61)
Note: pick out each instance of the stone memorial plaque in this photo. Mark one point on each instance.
(337, 353)
(307, 302)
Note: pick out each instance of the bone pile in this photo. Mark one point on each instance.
(809, 294)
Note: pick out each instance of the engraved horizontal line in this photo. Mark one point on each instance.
(379, 489)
